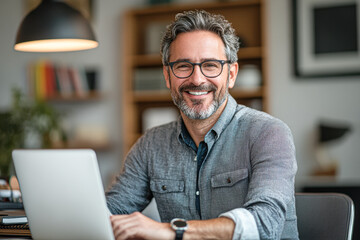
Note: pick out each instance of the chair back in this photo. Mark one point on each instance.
(324, 216)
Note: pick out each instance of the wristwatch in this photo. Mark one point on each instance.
(180, 226)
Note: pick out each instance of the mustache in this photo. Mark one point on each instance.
(192, 87)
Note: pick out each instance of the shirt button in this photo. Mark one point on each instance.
(197, 193)
(228, 180)
(163, 187)
(195, 158)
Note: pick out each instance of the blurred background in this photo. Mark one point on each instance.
(322, 112)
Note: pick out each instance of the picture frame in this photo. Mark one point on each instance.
(326, 38)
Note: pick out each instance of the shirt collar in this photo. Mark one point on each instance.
(225, 117)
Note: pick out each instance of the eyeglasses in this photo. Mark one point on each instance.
(209, 68)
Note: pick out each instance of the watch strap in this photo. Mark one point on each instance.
(179, 234)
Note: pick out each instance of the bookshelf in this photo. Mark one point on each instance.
(68, 87)
(92, 96)
(48, 80)
(141, 52)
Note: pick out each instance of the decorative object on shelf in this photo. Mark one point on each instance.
(149, 79)
(24, 119)
(249, 77)
(54, 26)
(91, 76)
(328, 134)
(326, 38)
(9, 192)
(153, 117)
(154, 32)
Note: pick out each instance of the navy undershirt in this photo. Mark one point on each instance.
(201, 152)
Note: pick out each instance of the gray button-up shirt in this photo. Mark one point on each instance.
(250, 163)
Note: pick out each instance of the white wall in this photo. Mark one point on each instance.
(300, 103)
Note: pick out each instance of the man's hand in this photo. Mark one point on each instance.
(138, 226)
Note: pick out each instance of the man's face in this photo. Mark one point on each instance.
(197, 96)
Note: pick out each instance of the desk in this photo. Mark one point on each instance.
(14, 231)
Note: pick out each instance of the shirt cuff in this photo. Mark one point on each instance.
(245, 225)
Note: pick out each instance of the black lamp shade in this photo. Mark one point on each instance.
(54, 26)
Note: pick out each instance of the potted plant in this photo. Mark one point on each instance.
(25, 117)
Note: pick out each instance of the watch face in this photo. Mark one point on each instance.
(180, 223)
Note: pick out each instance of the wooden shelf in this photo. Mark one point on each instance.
(146, 60)
(152, 96)
(91, 96)
(237, 92)
(250, 53)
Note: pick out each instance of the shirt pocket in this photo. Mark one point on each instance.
(166, 185)
(229, 179)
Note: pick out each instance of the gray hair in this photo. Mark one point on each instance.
(190, 21)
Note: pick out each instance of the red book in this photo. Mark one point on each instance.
(49, 79)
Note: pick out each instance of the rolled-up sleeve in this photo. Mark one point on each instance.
(245, 225)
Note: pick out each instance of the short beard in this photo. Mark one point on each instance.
(194, 112)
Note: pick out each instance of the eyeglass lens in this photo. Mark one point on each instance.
(208, 68)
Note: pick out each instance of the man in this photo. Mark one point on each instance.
(227, 169)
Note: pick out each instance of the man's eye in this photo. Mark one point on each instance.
(183, 66)
(210, 65)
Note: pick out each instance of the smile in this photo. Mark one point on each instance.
(198, 93)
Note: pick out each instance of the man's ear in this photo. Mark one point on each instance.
(166, 76)
(234, 68)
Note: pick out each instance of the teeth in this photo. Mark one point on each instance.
(198, 93)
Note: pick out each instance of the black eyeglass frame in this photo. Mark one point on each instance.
(222, 62)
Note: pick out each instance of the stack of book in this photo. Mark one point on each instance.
(14, 223)
(47, 80)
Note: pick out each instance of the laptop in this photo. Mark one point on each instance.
(62, 193)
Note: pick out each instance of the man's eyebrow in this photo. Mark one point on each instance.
(188, 59)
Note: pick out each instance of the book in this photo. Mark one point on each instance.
(15, 230)
(50, 81)
(40, 80)
(66, 89)
(6, 220)
(77, 82)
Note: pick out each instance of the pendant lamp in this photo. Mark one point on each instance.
(54, 26)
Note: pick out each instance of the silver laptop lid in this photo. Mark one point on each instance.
(63, 194)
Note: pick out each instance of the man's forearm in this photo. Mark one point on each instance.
(218, 228)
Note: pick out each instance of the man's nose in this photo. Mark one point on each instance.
(197, 78)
